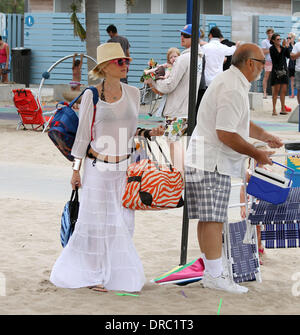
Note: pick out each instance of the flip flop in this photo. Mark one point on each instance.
(98, 288)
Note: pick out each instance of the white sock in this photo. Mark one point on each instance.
(213, 266)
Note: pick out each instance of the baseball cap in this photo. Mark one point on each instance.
(187, 29)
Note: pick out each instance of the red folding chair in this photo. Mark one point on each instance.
(29, 109)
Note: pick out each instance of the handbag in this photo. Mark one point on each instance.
(280, 73)
(153, 186)
(69, 218)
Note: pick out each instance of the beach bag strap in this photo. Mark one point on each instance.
(95, 101)
(163, 154)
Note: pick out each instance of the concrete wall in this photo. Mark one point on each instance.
(243, 10)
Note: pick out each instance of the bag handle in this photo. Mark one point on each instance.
(74, 195)
(291, 175)
(160, 149)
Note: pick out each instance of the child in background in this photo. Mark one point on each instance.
(261, 250)
(76, 70)
(163, 71)
(172, 54)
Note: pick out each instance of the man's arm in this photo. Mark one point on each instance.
(238, 144)
(262, 135)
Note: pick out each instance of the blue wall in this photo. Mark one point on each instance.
(50, 38)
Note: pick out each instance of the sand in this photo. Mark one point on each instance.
(34, 186)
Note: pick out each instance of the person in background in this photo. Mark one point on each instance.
(265, 44)
(112, 31)
(4, 60)
(227, 62)
(76, 73)
(176, 86)
(215, 53)
(279, 74)
(291, 62)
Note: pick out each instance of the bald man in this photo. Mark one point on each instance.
(224, 126)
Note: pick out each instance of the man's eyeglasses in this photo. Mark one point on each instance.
(120, 61)
(186, 35)
(263, 61)
(288, 38)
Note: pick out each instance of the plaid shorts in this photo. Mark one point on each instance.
(207, 195)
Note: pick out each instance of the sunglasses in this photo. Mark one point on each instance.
(186, 35)
(263, 61)
(120, 61)
(288, 38)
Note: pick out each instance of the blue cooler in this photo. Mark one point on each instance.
(269, 186)
(293, 162)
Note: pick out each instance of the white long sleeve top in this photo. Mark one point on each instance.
(114, 127)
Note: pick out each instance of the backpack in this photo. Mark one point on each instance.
(63, 126)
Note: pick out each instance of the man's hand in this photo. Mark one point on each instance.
(273, 141)
(263, 157)
(158, 131)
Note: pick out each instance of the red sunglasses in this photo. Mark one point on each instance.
(120, 61)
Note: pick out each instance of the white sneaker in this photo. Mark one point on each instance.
(222, 283)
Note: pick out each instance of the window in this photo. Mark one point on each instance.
(64, 6)
(296, 7)
(140, 6)
(206, 6)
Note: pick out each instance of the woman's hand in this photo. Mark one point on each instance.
(158, 131)
(76, 180)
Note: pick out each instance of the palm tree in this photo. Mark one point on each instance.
(91, 34)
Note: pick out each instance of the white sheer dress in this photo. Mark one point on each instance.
(101, 249)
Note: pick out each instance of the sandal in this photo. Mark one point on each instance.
(98, 288)
(275, 114)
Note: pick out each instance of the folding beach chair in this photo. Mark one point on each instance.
(280, 223)
(242, 258)
(29, 109)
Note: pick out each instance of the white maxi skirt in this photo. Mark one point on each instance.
(101, 249)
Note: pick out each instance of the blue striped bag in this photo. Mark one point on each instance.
(69, 218)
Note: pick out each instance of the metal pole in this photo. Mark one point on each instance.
(191, 114)
(189, 11)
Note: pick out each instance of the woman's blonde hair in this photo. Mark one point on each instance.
(98, 72)
(171, 50)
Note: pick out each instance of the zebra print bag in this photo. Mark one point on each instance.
(153, 186)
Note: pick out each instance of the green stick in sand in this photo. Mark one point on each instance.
(219, 307)
(131, 295)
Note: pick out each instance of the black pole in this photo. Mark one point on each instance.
(191, 114)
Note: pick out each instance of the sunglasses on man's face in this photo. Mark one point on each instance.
(186, 35)
(120, 61)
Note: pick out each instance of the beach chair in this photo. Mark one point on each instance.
(29, 109)
(280, 223)
(241, 257)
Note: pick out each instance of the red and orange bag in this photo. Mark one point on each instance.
(153, 186)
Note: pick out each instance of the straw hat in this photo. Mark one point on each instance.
(109, 51)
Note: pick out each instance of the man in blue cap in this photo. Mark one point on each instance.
(176, 86)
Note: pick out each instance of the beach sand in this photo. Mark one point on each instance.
(34, 187)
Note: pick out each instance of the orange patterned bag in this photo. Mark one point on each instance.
(153, 186)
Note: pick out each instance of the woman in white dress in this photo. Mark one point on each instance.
(100, 253)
